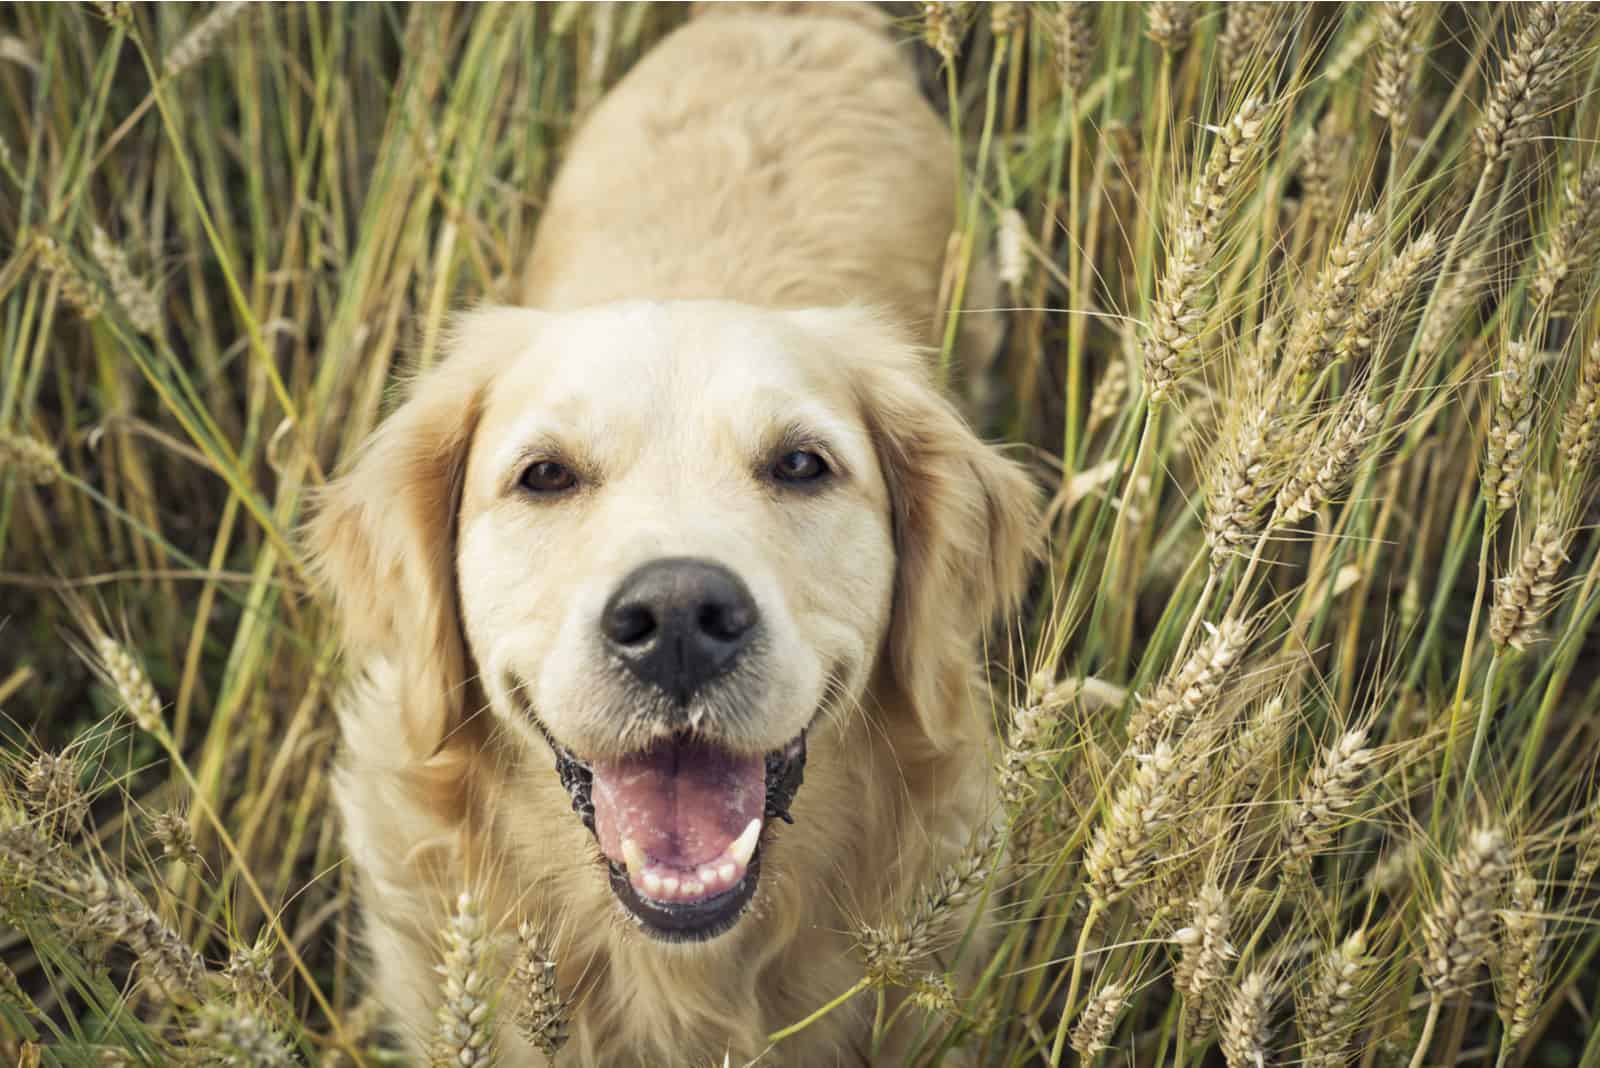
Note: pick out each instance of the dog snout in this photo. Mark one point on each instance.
(678, 623)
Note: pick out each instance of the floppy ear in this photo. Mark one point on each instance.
(383, 534)
(965, 521)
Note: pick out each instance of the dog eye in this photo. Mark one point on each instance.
(547, 476)
(799, 466)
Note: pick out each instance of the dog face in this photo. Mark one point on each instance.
(667, 540)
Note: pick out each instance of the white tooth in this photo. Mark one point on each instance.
(669, 885)
(652, 884)
(744, 846)
(693, 888)
(728, 870)
(633, 856)
(708, 875)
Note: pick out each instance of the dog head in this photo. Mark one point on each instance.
(667, 541)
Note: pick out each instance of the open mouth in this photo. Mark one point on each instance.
(681, 825)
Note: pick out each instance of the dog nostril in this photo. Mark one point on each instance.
(724, 621)
(630, 624)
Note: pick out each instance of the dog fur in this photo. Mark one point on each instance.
(752, 224)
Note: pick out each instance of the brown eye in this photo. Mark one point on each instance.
(547, 476)
(799, 466)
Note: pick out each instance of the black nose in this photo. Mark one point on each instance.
(678, 623)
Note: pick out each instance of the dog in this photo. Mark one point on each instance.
(666, 592)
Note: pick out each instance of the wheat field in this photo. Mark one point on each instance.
(1301, 722)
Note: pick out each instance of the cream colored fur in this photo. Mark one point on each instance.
(747, 234)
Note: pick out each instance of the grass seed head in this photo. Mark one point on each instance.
(1327, 795)
(1099, 1018)
(1320, 326)
(1204, 951)
(1183, 695)
(111, 907)
(1247, 1021)
(1398, 61)
(1183, 292)
(137, 299)
(75, 288)
(131, 683)
(1120, 851)
(1569, 254)
(1076, 44)
(1324, 470)
(1521, 958)
(1510, 429)
(1169, 23)
(1458, 928)
(202, 39)
(465, 1036)
(1248, 33)
(943, 24)
(1327, 1011)
(225, 1035)
(249, 971)
(1576, 448)
(171, 830)
(31, 459)
(1540, 57)
(1109, 394)
(52, 792)
(1383, 300)
(1522, 597)
(543, 1014)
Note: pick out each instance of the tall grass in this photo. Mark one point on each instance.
(1300, 730)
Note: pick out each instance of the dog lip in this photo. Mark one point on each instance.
(687, 921)
(691, 921)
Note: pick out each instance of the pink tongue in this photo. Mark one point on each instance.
(682, 803)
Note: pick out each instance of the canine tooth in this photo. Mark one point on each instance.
(708, 875)
(652, 884)
(727, 869)
(633, 856)
(669, 885)
(744, 846)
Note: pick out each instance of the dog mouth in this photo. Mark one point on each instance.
(681, 825)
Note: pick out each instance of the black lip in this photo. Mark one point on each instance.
(696, 921)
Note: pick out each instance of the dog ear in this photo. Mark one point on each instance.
(965, 521)
(383, 534)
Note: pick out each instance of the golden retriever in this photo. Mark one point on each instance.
(667, 591)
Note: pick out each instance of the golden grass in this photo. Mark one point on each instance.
(1304, 322)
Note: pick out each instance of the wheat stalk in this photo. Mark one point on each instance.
(1522, 597)
(465, 1035)
(1330, 791)
(1327, 1012)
